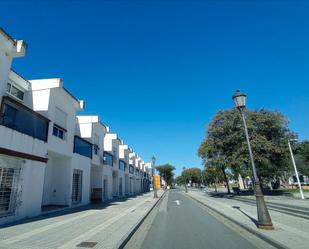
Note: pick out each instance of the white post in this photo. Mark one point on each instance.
(296, 173)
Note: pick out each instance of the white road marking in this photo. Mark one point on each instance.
(177, 202)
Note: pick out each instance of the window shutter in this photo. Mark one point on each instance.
(96, 139)
(60, 118)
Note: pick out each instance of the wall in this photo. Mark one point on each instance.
(107, 174)
(17, 141)
(29, 196)
(96, 177)
(33, 180)
(84, 164)
(60, 99)
(45, 102)
(57, 181)
(5, 66)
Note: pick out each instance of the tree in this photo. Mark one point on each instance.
(226, 146)
(180, 180)
(302, 157)
(212, 175)
(219, 163)
(166, 172)
(192, 174)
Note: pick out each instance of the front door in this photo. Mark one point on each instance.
(77, 186)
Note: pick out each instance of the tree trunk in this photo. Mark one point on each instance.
(226, 180)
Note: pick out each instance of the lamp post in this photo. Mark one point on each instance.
(184, 174)
(264, 220)
(295, 169)
(153, 162)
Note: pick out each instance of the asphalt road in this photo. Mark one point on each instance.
(179, 222)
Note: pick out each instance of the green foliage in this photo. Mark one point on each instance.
(225, 144)
(302, 157)
(212, 175)
(166, 172)
(193, 174)
(179, 180)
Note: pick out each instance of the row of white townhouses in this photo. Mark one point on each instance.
(51, 158)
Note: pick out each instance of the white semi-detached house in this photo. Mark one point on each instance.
(23, 137)
(138, 172)
(148, 175)
(93, 130)
(111, 166)
(67, 173)
(132, 171)
(144, 177)
(124, 166)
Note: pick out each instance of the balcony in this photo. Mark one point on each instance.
(131, 169)
(108, 159)
(82, 147)
(18, 117)
(122, 165)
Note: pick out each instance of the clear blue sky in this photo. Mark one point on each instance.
(158, 71)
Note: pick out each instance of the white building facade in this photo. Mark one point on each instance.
(23, 140)
(50, 158)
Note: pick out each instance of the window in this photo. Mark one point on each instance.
(82, 147)
(9, 116)
(59, 132)
(22, 119)
(14, 91)
(8, 189)
(60, 118)
(131, 169)
(108, 158)
(96, 149)
(96, 140)
(122, 165)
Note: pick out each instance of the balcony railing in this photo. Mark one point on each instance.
(19, 117)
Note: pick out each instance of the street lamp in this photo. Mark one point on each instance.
(153, 162)
(264, 220)
(295, 169)
(184, 175)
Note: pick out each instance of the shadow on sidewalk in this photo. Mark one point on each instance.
(249, 193)
(252, 219)
(72, 210)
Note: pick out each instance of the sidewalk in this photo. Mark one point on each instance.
(289, 232)
(104, 225)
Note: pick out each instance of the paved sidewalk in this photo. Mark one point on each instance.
(287, 201)
(106, 225)
(290, 231)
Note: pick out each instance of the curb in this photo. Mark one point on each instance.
(124, 240)
(249, 229)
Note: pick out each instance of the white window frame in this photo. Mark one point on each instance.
(12, 84)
